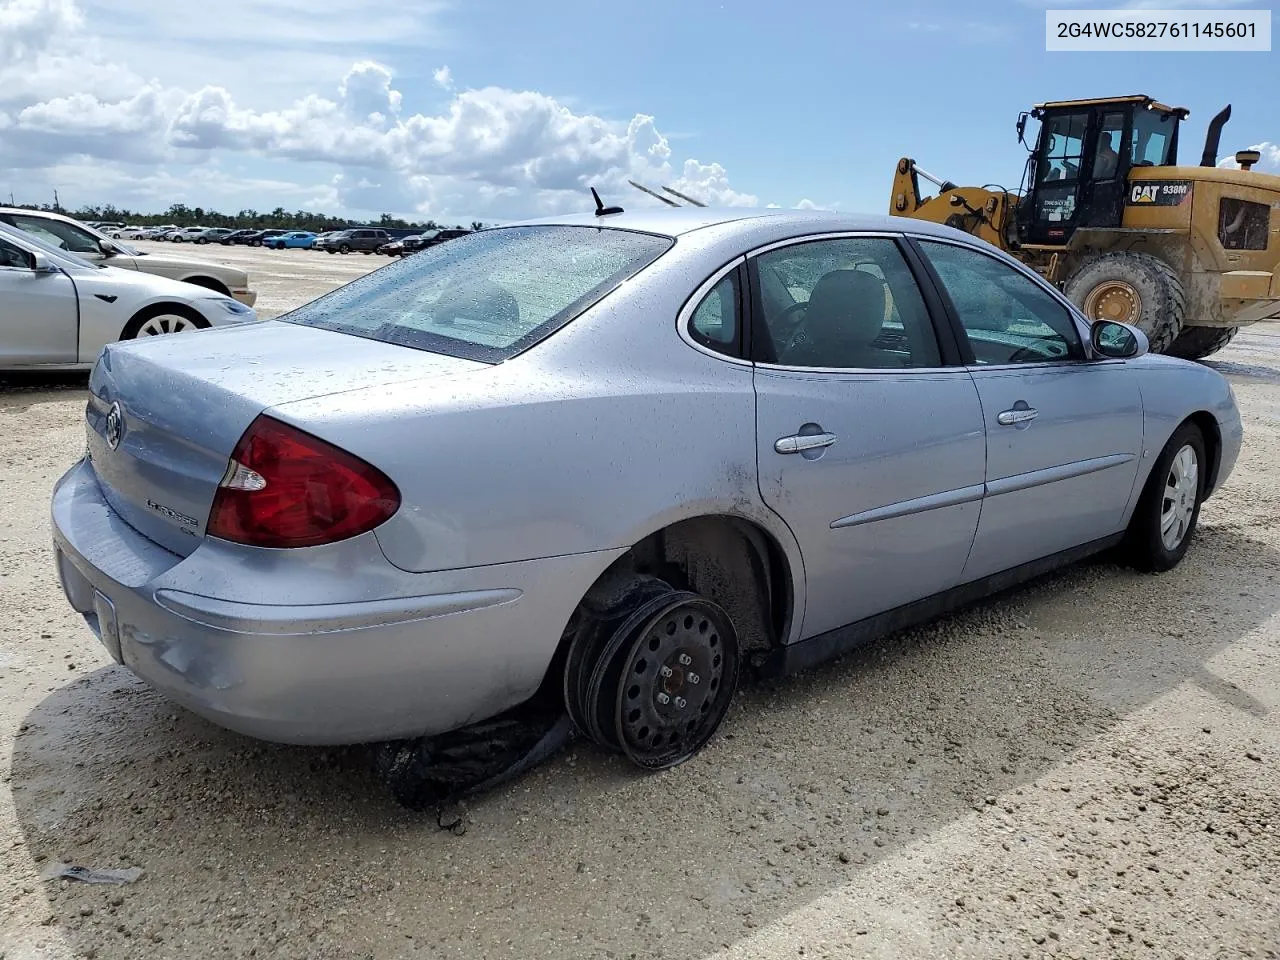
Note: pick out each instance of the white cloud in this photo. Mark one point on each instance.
(491, 151)
(1269, 161)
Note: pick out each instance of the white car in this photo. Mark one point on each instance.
(127, 233)
(60, 310)
(184, 234)
(93, 245)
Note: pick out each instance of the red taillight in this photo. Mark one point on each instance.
(286, 488)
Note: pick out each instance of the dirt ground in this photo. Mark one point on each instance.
(1088, 767)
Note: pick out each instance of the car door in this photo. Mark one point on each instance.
(869, 445)
(1064, 432)
(39, 317)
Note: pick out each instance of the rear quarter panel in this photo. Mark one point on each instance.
(611, 429)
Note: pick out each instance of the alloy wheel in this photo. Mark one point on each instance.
(1181, 491)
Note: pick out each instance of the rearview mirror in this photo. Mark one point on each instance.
(1118, 341)
(107, 247)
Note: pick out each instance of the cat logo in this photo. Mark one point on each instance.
(1159, 193)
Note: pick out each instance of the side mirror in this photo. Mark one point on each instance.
(107, 248)
(40, 263)
(1118, 341)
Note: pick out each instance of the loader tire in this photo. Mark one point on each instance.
(1196, 343)
(1133, 288)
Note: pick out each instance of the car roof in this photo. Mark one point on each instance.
(676, 221)
(22, 211)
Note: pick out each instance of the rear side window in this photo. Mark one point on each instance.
(1242, 224)
(714, 323)
(489, 295)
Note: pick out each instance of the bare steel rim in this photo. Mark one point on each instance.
(166, 323)
(678, 671)
(1114, 300)
(1181, 490)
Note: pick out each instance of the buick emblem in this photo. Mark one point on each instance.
(115, 425)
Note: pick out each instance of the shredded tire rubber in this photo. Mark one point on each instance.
(434, 773)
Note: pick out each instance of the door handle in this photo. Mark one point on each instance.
(1011, 418)
(801, 442)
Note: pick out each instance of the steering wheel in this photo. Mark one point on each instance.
(1027, 353)
(796, 334)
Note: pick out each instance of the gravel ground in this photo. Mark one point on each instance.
(283, 278)
(1087, 767)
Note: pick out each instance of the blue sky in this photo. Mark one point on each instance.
(496, 109)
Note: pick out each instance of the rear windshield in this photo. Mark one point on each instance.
(486, 295)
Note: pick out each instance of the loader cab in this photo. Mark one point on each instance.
(1078, 171)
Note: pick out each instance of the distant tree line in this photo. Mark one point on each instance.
(181, 215)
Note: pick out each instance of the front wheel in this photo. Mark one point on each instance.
(345, 248)
(162, 319)
(1164, 520)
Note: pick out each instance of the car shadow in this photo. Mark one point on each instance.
(811, 780)
(20, 390)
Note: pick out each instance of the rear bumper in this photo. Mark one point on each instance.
(326, 648)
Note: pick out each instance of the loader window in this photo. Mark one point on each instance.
(1242, 225)
(1107, 157)
(1151, 136)
(1063, 147)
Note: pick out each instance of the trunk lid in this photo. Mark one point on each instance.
(164, 414)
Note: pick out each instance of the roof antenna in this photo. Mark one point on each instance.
(601, 209)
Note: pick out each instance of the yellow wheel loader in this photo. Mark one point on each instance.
(1187, 253)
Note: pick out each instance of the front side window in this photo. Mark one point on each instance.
(62, 235)
(11, 256)
(1006, 316)
(847, 303)
(486, 296)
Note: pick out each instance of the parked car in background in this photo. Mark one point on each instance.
(69, 235)
(155, 233)
(212, 235)
(236, 236)
(60, 310)
(317, 546)
(124, 233)
(259, 237)
(431, 238)
(346, 241)
(396, 247)
(184, 234)
(295, 238)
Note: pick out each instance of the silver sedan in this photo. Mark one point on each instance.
(58, 310)
(616, 460)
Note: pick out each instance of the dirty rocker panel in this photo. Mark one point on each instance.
(803, 654)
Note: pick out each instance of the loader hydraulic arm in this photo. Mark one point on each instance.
(981, 211)
(906, 187)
